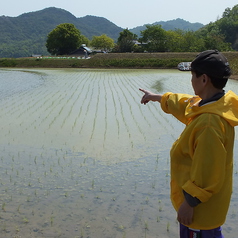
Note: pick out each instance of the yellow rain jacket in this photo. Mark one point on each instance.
(202, 157)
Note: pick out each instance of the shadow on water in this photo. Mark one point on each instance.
(158, 85)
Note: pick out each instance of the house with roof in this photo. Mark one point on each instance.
(82, 51)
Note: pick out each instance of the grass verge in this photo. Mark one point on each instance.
(114, 60)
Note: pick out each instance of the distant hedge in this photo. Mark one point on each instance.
(113, 60)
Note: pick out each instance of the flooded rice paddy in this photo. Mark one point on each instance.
(81, 157)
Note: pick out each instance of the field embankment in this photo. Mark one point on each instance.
(114, 60)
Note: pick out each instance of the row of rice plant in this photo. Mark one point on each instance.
(81, 157)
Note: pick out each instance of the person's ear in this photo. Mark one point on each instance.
(205, 78)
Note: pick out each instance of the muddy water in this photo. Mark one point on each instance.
(81, 157)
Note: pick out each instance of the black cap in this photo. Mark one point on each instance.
(212, 63)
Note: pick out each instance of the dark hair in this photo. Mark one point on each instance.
(215, 65)
(218, 83)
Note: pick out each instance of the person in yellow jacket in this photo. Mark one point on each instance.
(202, 157)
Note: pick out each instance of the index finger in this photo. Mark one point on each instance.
(142, 90)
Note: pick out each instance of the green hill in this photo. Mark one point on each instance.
(171, 25)
(26, 34)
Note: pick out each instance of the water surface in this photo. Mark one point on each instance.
(81, 157)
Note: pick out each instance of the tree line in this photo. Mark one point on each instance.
(220, 35)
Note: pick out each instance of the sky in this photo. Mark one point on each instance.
(128, 13)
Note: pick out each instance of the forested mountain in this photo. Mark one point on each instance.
(171, 25)
(26, 34)
(226, 26)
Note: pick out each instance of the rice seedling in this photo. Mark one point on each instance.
(146, 228)
(4, 207)
(153, 184)
(121, 227)
(93, 183)
(4, 227)
(147, 200)
(168, 226)
(51, 221)
(18, 208)
(81, 233)
(25, 220)
(17, 229)
(82, 135)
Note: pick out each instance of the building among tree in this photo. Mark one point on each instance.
(82, 51)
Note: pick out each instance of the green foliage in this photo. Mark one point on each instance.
(135, 61)
(171, 25)
(8, 63)
(222, 34)
(64, 39)
(84, 40)
(183, 41)
(213, 38)
(228, 26)
(117, 60)
(95, 26)
(125, 41)
(155, 37)
(26, 34)
(102, 42)
(174, 41)
(191, 42)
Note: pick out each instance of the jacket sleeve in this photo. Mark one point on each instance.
(208, 155)
(175, 104)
